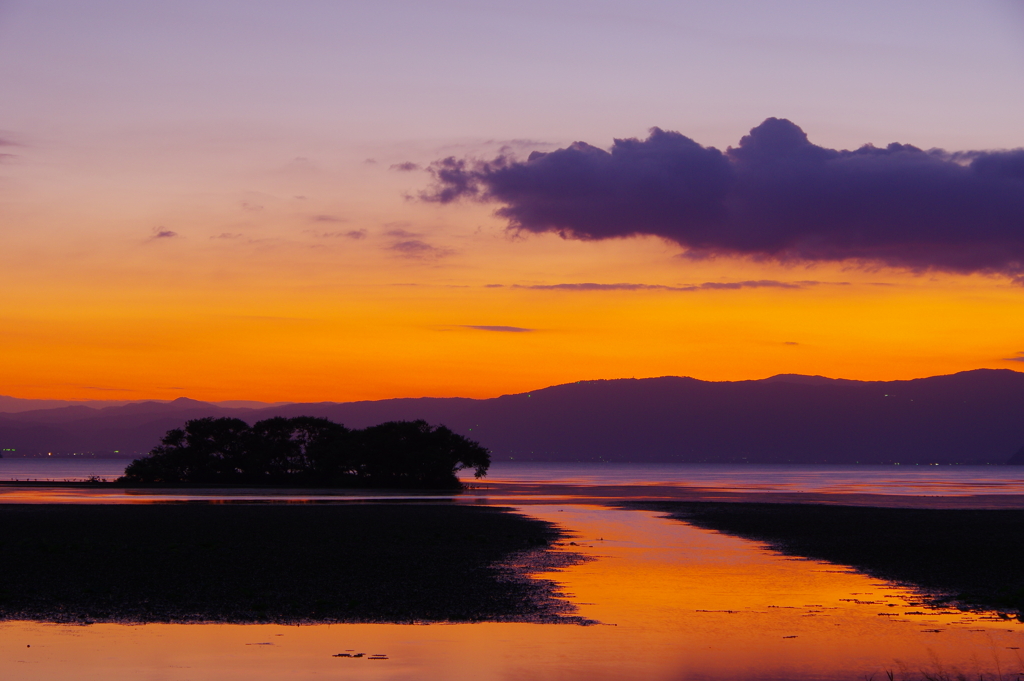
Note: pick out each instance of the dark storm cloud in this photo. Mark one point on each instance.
(776, 196)
(499, 329)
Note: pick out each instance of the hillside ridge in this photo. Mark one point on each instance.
(968, 417)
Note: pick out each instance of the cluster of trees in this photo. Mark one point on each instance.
(310, 451)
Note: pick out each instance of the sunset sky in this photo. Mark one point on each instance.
(316, 200)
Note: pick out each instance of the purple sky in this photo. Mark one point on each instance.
(297, 74)
(219, 197)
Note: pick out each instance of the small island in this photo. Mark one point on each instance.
(411, 561)
(307, 451)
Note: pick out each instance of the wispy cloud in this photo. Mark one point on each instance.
(163, 233)
(351, 234)
(499, 329)
(406, 167)
(414, 248)
(401, 233)
(706, 286)
(328, 218)
(1019, 358)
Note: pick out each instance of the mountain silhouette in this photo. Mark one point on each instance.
(969, 417)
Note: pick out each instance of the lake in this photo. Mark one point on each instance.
(670, 601)
(896, 480)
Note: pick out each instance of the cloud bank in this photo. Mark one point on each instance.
(776, 196)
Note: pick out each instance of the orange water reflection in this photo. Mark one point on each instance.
(675, 602)
(490, 493)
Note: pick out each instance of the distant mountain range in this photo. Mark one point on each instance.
(15, 405)
(969, 417)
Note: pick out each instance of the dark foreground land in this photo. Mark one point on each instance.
(272, 563)
(972, 557)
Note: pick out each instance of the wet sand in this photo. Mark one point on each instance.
(674, 603)
(286, 563)
(968, 557)
(964, 548)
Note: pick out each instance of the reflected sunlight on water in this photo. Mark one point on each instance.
(947, 486)
(893, 480)
(674, 602)
(902, 480)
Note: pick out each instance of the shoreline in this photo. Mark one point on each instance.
(955, 550)
(603, 494)
(525, 493)
(288, 563)
(968, 558)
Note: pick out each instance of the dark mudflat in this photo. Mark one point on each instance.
(966, 556)
(271, 563)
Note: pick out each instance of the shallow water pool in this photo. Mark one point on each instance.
(671, 602)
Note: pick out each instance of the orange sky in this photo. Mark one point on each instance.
(282, 312)
(296, 263)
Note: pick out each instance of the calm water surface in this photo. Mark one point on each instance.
(674, 602)
(60, 469)
(898, 480)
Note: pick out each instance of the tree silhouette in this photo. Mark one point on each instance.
(205, 450)
(309, 451)
(414, 454)
(299, 449)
